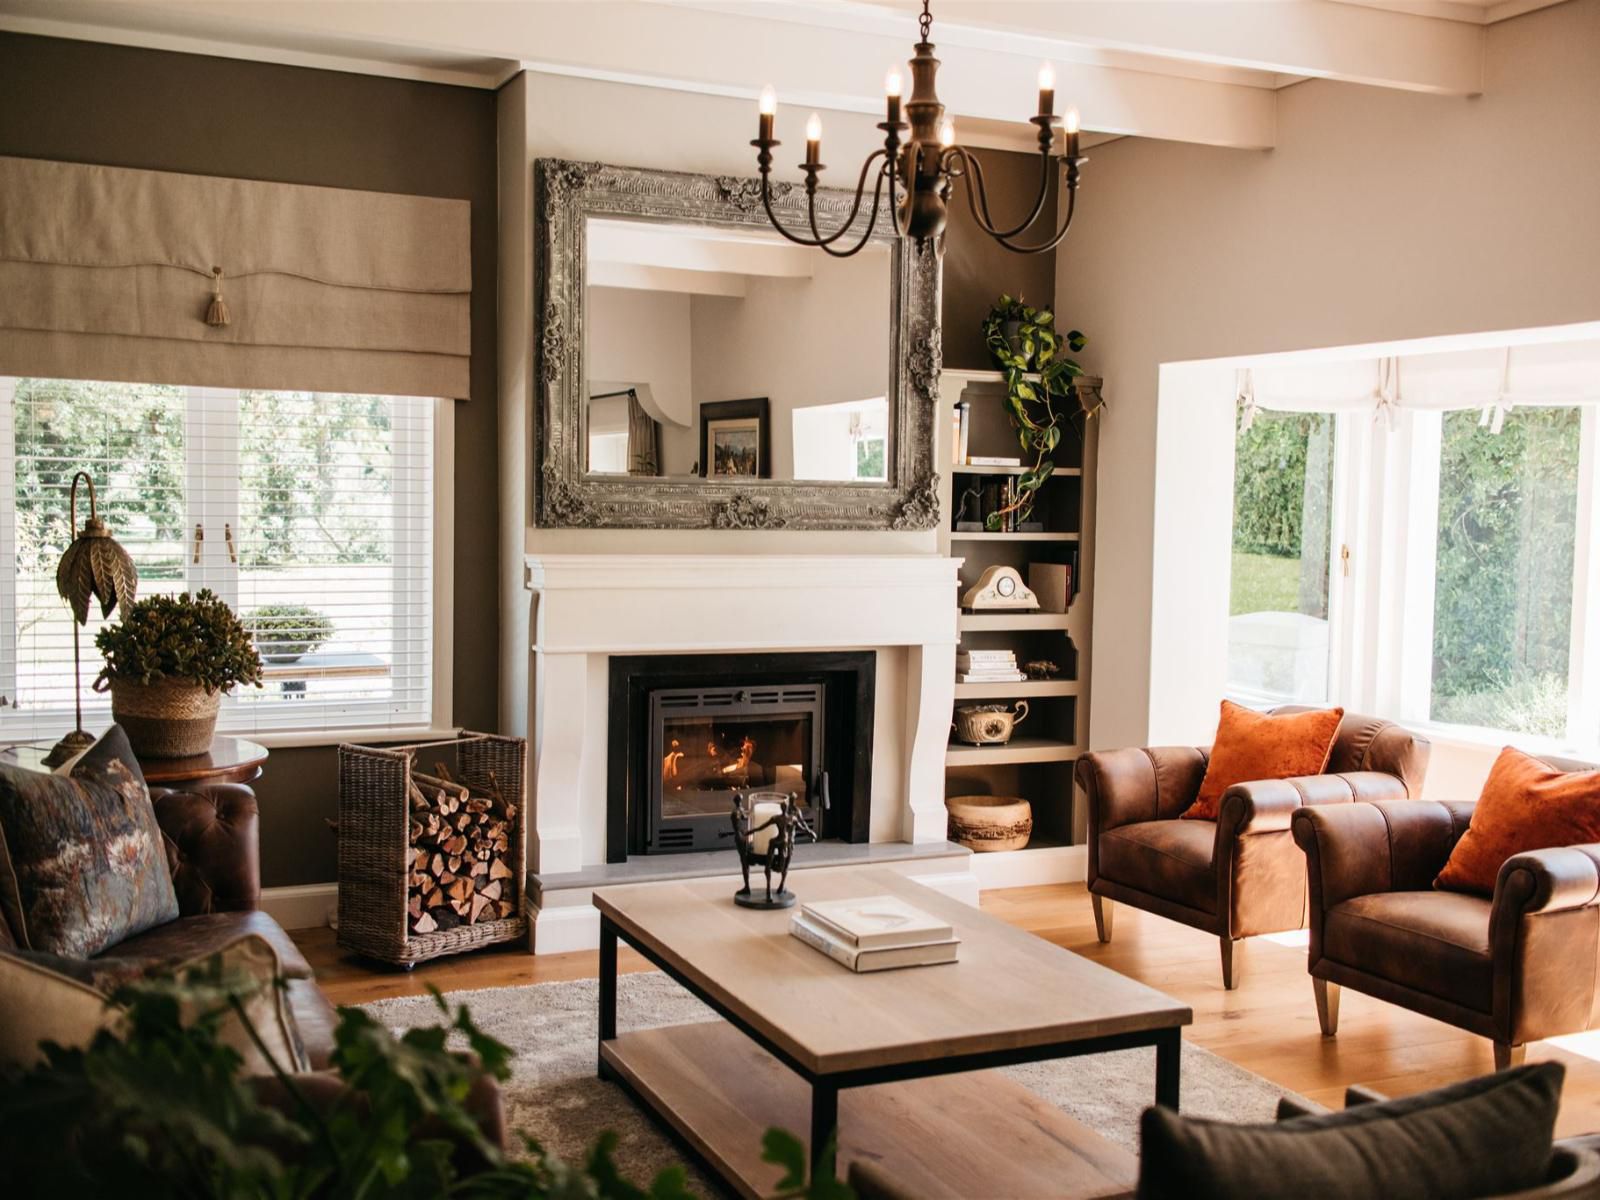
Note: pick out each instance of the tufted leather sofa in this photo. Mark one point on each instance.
(1516, 967)
(1240, 875)
(212, 839)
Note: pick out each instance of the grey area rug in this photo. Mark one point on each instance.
(555, 1096)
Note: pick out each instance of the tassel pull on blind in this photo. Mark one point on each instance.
(154, 277)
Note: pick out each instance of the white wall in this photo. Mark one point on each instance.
(1381, 215)
(633, 337)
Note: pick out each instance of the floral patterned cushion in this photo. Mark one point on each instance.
(82, 861)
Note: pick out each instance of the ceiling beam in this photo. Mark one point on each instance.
(1319, 39)
(712, 52)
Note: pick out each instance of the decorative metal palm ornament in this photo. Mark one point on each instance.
(926, 166)
(94, 567)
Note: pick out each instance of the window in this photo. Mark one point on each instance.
(1437, 560)
(848, 440)
(1278, 594)
(310, 514)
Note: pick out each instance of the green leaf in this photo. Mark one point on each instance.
(783, 1149)
(1045, 317)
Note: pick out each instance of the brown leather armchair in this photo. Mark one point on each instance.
(1515, 968)
(1240, 875)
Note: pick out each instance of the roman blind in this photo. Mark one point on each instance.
(108, 273)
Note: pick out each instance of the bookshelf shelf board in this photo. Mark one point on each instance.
(1014, 537)
(1017, 750)
(985, 622)
(983, 469)
(1021, 691)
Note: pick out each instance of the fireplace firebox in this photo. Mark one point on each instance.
(687, 731)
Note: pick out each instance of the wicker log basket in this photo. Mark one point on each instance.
(989, 823)
(377, 851)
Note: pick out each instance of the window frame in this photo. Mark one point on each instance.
(1385, 611)
(207, 421)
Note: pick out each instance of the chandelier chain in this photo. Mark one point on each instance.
(925, 21)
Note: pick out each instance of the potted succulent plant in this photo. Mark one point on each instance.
(285, 633)
(168, 662)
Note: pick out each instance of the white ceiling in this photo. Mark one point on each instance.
(1191, 70)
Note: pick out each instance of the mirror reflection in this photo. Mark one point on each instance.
(730, 352)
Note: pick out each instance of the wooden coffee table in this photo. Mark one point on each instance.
(913, 1049)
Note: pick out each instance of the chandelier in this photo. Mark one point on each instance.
(921, 171)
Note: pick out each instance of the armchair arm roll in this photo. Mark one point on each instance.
(213, 849)
(1147, 784)
(1266, 805)
(1542, 881)
(1357, 849)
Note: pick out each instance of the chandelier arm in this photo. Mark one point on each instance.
(892, 169)
(872, 221)
(1072, 204)
(855, 209)
(816, 240)
(978, 192)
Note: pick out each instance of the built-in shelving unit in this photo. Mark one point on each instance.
(1037, 762)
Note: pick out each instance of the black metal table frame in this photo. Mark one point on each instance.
(825, 1087)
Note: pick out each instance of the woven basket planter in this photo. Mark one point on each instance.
(169, 719)
(375, 848)
(987, 823)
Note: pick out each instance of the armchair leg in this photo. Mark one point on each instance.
(1229, 979)
(1103, 910)
(1327, 1005)
(1507, 1055)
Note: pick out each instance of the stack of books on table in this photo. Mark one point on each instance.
(875, 933)
(987, 666)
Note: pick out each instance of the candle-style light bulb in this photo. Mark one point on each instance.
(947, 133)
(1071, 124)
(813, 140)
(1072, 120)
(768, 105)
(892, 83)
(1047, 90)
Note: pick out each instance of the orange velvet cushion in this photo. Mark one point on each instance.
(1252, 745)
(1525, 805)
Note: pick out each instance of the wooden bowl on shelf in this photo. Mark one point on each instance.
(989, 823)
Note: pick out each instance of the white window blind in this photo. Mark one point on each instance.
(311, 514)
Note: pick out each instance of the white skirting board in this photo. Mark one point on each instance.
(1028, 868)
(305, 906)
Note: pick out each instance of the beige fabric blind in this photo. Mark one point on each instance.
(106, 273)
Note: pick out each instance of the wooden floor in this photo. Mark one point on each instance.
(1267, 1025)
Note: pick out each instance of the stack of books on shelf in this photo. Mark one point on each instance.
(987, 666)
(875, 933)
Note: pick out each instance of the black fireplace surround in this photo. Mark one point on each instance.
(687, 730)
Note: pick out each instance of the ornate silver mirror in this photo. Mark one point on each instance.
(697, 371)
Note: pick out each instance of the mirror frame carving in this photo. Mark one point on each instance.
(566, 194)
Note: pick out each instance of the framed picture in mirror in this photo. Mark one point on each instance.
(736, 438)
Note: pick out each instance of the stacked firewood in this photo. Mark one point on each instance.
(460, 853)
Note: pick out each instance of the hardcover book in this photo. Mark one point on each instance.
(874, 922)
(926, 954)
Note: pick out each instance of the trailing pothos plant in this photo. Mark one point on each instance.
(1024, 341)
(160, 1106)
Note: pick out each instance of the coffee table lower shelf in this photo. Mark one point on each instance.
(966, 1135)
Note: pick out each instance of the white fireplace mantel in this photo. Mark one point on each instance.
(587, 607)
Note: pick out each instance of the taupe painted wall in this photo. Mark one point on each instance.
(84, 102)
(1380, 215)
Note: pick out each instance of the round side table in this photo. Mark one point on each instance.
(230, 760)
